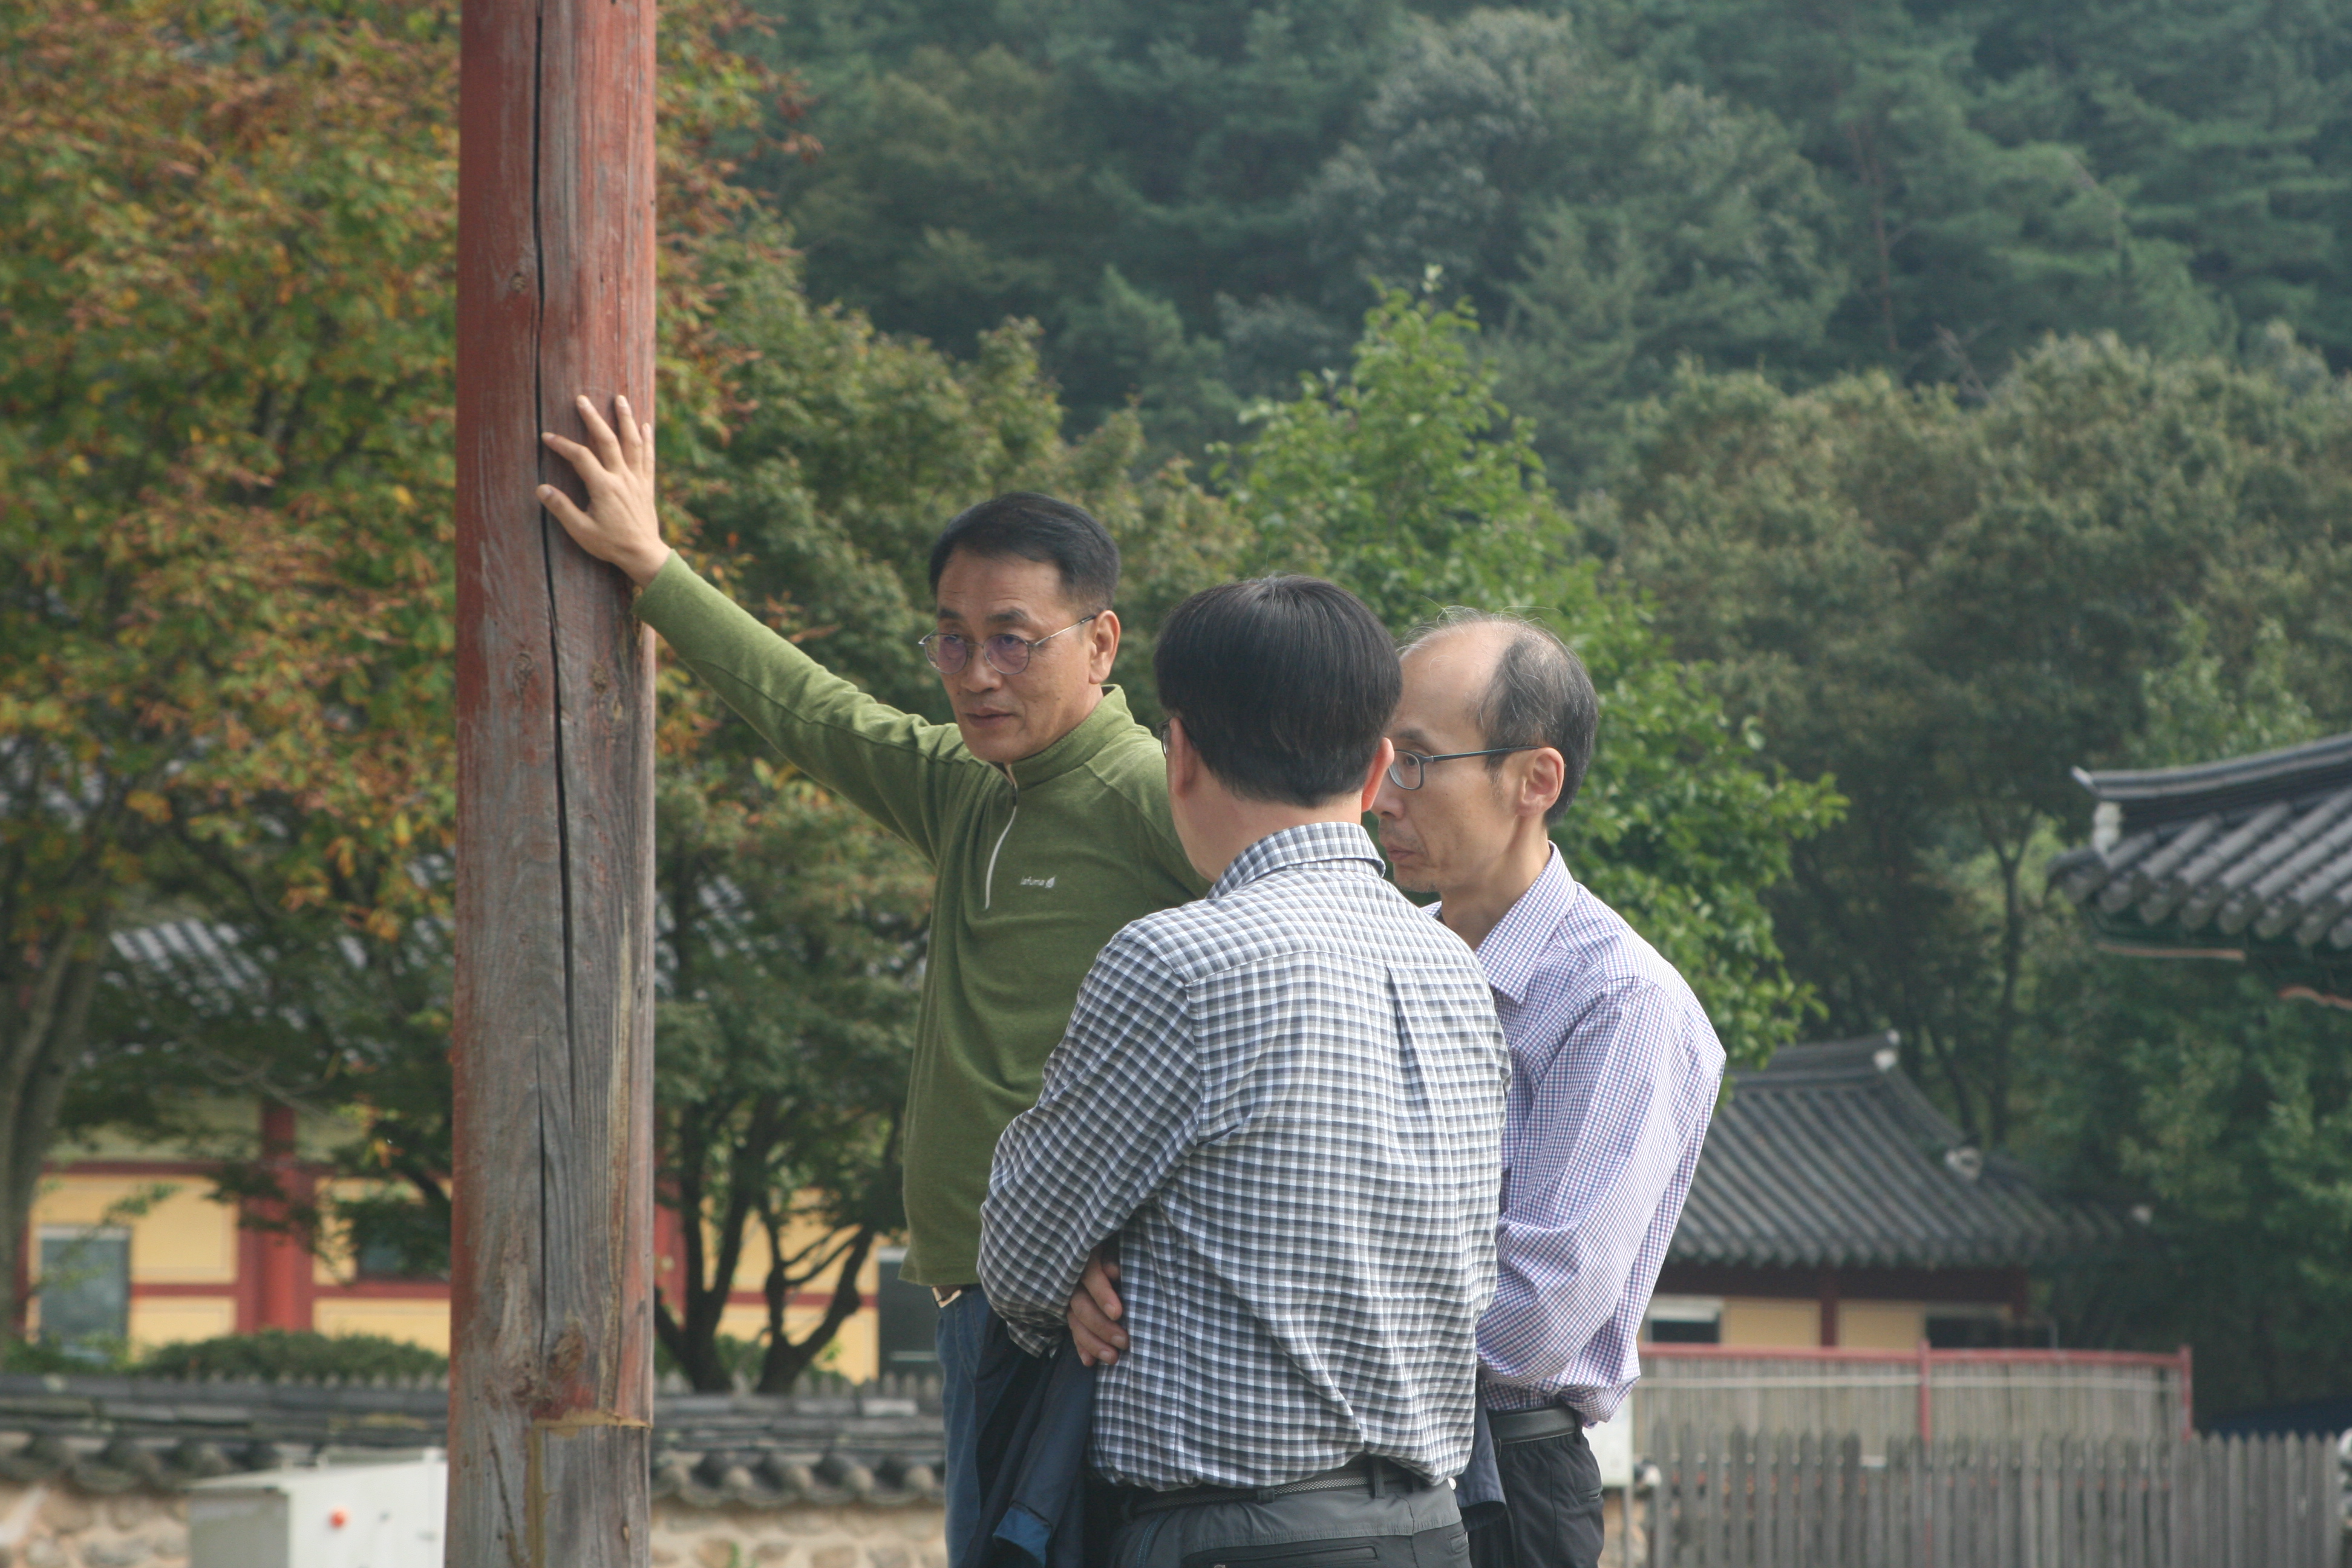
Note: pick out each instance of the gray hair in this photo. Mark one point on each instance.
(1540, 694)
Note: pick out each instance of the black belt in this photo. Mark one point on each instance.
(1364, 1473)
(1527, 1426)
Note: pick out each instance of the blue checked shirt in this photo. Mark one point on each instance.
(1285, 1102)
(1614, 1070)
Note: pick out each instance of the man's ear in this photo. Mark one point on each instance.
(1381, 760)
(1102, 647)
(1546, 776)
(1182, 761)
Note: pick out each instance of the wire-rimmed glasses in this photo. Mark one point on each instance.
(1411, 769)
(1006, 654)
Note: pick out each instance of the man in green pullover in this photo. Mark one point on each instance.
(1042, 812)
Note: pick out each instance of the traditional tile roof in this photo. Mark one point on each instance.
(204, 959)
(2248, 860)
(119, 1433)
(1831, 1157)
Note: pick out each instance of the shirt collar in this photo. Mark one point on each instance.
(1309, 841)
(1509, 954)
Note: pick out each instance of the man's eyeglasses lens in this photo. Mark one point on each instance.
(1006, 654)
(949, 654)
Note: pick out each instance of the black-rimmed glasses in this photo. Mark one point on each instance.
(1006, 654)
(1411, 769)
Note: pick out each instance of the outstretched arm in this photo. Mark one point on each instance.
(889, 763)
(621, 524)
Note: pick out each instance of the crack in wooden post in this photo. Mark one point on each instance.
(552, 1382)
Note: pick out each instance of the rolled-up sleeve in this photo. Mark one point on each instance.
(1117, 1113)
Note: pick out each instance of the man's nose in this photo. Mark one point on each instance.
(1387, 800)
(977, 674)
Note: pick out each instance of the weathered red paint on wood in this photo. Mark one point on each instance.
(552, 1390)
(275, 1288)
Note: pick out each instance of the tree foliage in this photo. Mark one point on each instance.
(1948, 607)
(2171, 173)
(2218, 1113)
(1613, 223)
(224, 478)
(283, 1355)
(1407, 479)
(1196, 202)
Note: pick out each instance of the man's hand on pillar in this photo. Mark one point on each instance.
(621, 524)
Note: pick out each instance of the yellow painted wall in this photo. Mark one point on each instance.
(1758, 1320)
(168, 1319)
(417, 1323)
(182, 1237)
(1881, 1325)
(855, 1351)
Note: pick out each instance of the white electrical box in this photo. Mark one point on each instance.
(335, 1516)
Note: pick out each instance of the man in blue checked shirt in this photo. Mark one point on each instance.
(1615, 1069)
(1281, 1106)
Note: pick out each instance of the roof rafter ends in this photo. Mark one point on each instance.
(2248, 858)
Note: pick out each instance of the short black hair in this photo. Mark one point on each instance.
(1539, 695)
(1285, 686)
(1037, 528)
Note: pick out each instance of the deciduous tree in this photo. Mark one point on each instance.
(224, 485)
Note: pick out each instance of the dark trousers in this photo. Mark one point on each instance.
(964, 1333)
(1551, 1506)
(1421, 1528)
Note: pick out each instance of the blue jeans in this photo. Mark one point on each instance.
(964, 1330)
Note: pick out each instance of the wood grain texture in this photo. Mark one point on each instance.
(551, 1387)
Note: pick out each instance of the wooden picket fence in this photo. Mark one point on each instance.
(1733, 1501)
(1877, 1394)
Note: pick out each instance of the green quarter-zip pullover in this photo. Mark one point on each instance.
(1035, 866)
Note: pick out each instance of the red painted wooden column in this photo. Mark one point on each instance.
(551, 1387)
(275, 1283)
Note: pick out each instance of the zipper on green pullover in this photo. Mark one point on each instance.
(988, 882)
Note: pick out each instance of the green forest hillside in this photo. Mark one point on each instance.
(1196, 198)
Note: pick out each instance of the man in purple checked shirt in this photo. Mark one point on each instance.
(1614, 1070)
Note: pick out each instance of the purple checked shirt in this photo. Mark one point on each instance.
(1614, 1075)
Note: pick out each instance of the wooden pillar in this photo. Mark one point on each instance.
(275, 1286)
(550, 1391)
(1827, 1282)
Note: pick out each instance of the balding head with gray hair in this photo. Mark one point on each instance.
(1539, 695)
